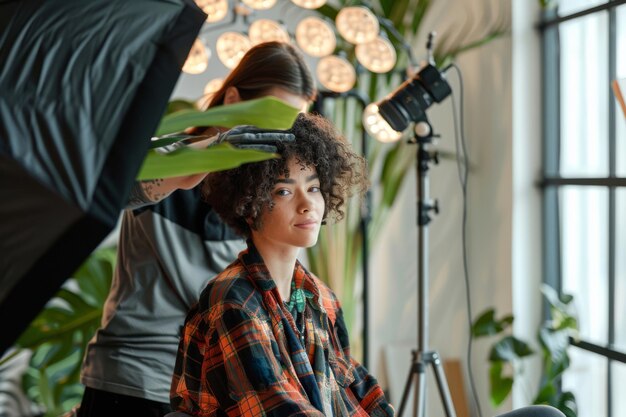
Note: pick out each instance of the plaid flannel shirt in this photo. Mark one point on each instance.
(241, 353)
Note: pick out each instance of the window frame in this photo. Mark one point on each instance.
(552, 182)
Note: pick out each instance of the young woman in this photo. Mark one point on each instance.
(167, 254)
(267, 338)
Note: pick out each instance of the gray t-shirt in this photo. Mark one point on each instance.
(167, 254)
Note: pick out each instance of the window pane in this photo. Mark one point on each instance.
(620, 272)
(572, 6)
(584, 96)
(617, 387)
(620, 119)
(584, 260)
(586, 378)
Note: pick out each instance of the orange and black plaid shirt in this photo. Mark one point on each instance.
(242, 354)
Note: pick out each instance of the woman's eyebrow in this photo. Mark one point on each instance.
(292, 181)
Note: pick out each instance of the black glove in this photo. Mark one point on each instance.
(252, 137)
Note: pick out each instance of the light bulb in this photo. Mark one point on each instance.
(336, 74)
(357, 24)
(209, 91)
(212, 86)
(266, 30)
(215, 9)
(198, 58)
(377, 56)
(378, 127)
(315, 37)
(231, 47)
(309, 4)
(260, 4)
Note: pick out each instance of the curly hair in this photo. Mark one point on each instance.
(241, 194)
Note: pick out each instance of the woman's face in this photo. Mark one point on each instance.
(298, 210)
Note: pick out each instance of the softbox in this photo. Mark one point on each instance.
(83, 86)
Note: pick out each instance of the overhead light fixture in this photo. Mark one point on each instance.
(209, 91)
(316, 37)
(198, 58)
(266, 30)
(377, 56)
(216, 10)
(231, 47)
(378, 127)
(260, 4)
(309, 4)
(357, 24)
(336, 73)
(213, 86)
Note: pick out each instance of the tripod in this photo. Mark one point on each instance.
(422, 358)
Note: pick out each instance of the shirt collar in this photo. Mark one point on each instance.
(260, 275)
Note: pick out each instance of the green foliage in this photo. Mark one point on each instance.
(178, 105)
(59, 334)
(266, 112)
(187, 161)
(487, 324)
(548, 4)
(507, 352)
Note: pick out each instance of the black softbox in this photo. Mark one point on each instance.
(83, 85)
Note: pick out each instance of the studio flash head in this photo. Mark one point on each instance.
(408, 102)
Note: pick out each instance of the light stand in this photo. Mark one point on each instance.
(423, 357)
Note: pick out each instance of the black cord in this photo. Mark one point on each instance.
(463, 168)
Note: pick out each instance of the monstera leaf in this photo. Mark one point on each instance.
(59, 334)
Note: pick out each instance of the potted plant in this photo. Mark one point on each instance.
(508, 353)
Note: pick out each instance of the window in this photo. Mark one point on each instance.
(584, 183)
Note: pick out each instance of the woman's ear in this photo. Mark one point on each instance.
(232, 96)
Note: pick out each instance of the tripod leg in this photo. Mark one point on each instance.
(442, 384)
(416, 372)
(407, 385)
(419, 404)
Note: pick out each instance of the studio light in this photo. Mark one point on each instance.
(357, 24)
(260, 4)
(209, 91)
(336, 73)
(231, 46)
(378, 127)
(266, 30)
(198, 58)
(309, 4)
(215, 9)
(408, 102)
(377, 56)
(316, 37)
(212, 86)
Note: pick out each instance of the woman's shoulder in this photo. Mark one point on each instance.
(231, 289)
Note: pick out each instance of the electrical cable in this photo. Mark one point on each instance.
(463, 170)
